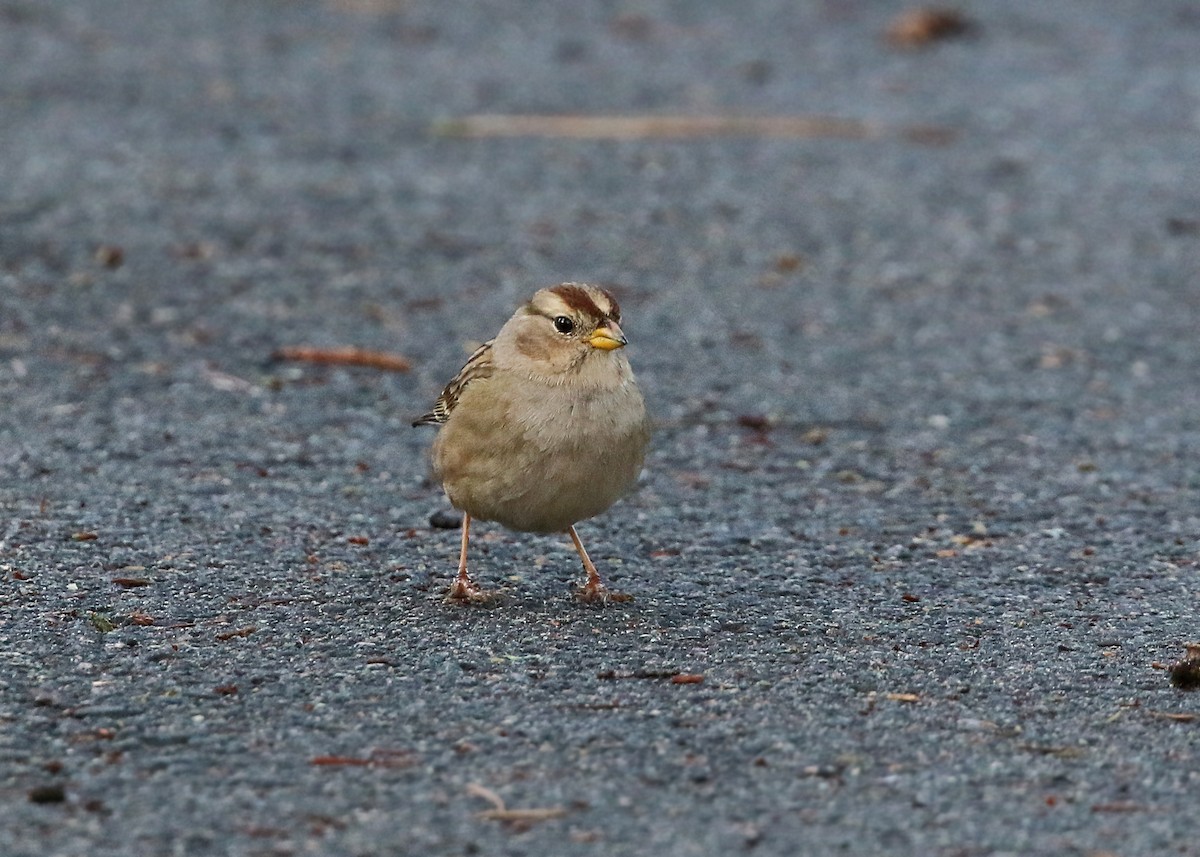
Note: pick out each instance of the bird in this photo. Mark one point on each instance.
(543, 427)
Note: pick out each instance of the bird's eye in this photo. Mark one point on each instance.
(564, 325)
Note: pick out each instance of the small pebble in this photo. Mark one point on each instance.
(47, 794)
(445, 519)
(1185, 673)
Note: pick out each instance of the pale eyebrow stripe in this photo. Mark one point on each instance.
(560, 308)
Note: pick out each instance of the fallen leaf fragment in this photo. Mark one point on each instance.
(240, 632)
(346, 355)
(920, 27)
(375, 759)
(338, 761)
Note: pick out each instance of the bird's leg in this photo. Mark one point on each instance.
(463, 588)
(594, 591)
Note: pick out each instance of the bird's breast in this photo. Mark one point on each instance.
(552, 458)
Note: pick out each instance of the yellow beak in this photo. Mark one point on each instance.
(608, 336)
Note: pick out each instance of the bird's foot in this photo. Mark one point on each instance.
(464, 591)
(595, 592)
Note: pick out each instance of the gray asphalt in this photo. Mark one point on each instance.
(922, 510)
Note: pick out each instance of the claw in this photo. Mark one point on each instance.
(595, 592)
(464, 591)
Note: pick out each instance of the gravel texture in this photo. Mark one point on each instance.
(922, 510)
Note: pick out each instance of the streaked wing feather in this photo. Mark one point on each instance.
(478, 365)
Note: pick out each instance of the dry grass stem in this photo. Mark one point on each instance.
(654, 127)
(520, 817)
(346, 355)
(1177, 716)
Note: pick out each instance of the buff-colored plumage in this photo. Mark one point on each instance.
(544, 426)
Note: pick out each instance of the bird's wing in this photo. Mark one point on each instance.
(478, 365)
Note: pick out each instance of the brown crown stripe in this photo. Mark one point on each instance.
(580, 299)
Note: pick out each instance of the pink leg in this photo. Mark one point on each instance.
(463, 588)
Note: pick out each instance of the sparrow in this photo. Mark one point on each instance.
(543, 427)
